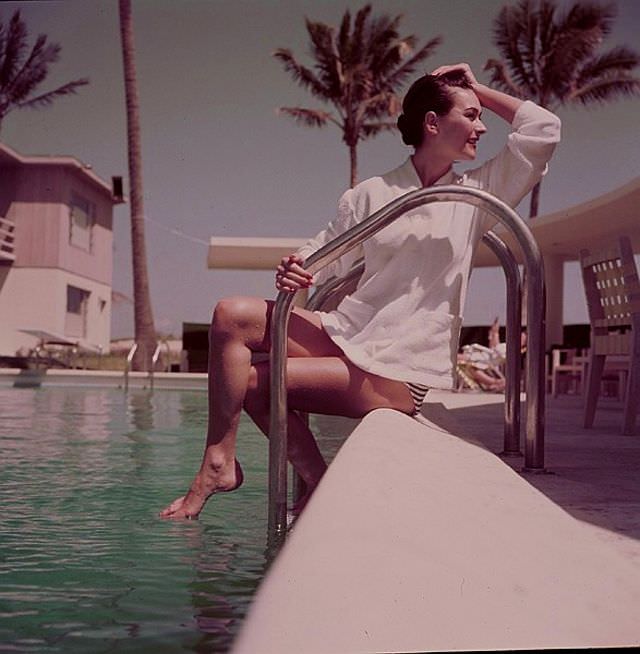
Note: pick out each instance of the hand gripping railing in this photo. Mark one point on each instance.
(533, 266)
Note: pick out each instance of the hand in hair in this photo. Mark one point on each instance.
(502, 104)
(463, 68)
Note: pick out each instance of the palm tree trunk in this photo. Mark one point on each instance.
(353, 158)
(535, 199)
(145, 334)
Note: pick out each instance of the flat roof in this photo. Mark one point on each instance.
(563, 233)
(9, 157)
(249, 252)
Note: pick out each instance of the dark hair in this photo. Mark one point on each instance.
(429, 93)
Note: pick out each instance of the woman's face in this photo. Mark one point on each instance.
(460, 129)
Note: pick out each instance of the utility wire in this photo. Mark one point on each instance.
(176, 232)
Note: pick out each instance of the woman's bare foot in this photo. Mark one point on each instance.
(205, 484)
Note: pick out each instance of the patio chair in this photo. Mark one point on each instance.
(567, 370)
(612, 290)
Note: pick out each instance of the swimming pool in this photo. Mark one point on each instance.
(85, 564)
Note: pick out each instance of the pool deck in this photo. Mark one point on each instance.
(422, 540)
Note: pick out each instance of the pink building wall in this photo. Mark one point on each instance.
(56, 271)
(41, 211)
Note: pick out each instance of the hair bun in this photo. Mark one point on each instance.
(408, 131)
(405, 129)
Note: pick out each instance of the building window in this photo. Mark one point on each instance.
(76, 317)
(82, 215)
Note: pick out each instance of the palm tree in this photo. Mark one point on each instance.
(145, 335)
(358, 70)
(22, 71)
(557, 59)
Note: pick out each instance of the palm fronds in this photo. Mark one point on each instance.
(358, 70)
(307, 117)
(22, 73)
(557, 58)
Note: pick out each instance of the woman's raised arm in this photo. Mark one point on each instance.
(499, 103)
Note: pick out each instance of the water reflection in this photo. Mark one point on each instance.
(193, 411)
(86, 564)
(225, 576)
(37, 423)
(226, 560)
(140, 413)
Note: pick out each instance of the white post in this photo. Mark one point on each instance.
(554, 282)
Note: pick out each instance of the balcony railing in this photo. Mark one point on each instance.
(7, 240)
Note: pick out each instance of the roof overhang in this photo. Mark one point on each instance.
(49, 338)
(563, 234)
(587, 225)
(9, 157)
(249, 253)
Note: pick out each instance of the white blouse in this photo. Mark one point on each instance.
(403, 320)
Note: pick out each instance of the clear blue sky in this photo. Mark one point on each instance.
(219, 161)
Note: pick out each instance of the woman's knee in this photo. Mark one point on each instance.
(239, 314)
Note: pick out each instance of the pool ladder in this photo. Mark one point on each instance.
(534, 366)
(127, 365)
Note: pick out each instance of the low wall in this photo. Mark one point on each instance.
(101, 378)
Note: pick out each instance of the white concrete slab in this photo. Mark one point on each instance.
(418, 541)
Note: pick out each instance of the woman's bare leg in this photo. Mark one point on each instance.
(302, 448)
(239, 327)
(330, 385)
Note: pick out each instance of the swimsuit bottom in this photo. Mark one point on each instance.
(418, 391)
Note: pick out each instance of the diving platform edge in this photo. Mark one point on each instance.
(418, 540)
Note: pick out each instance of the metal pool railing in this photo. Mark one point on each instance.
(534, 276)
(154, 362)
(127, 365)
(514, 329)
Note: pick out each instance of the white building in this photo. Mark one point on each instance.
(56, 218)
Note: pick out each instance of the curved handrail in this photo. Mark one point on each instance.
(514, 329)
(534, 444)
(154, 361)
(127, 365)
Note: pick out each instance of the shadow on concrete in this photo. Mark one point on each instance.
(593, 473)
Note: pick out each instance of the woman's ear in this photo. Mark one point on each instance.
(431, 122)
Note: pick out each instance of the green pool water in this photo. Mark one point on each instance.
(85, 564)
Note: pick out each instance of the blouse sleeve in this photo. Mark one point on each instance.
(523, 161)
(345, 219)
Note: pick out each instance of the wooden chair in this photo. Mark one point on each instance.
(567, 370)
(612, 290)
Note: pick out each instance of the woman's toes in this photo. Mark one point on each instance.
(173, 507)
(189, 506)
